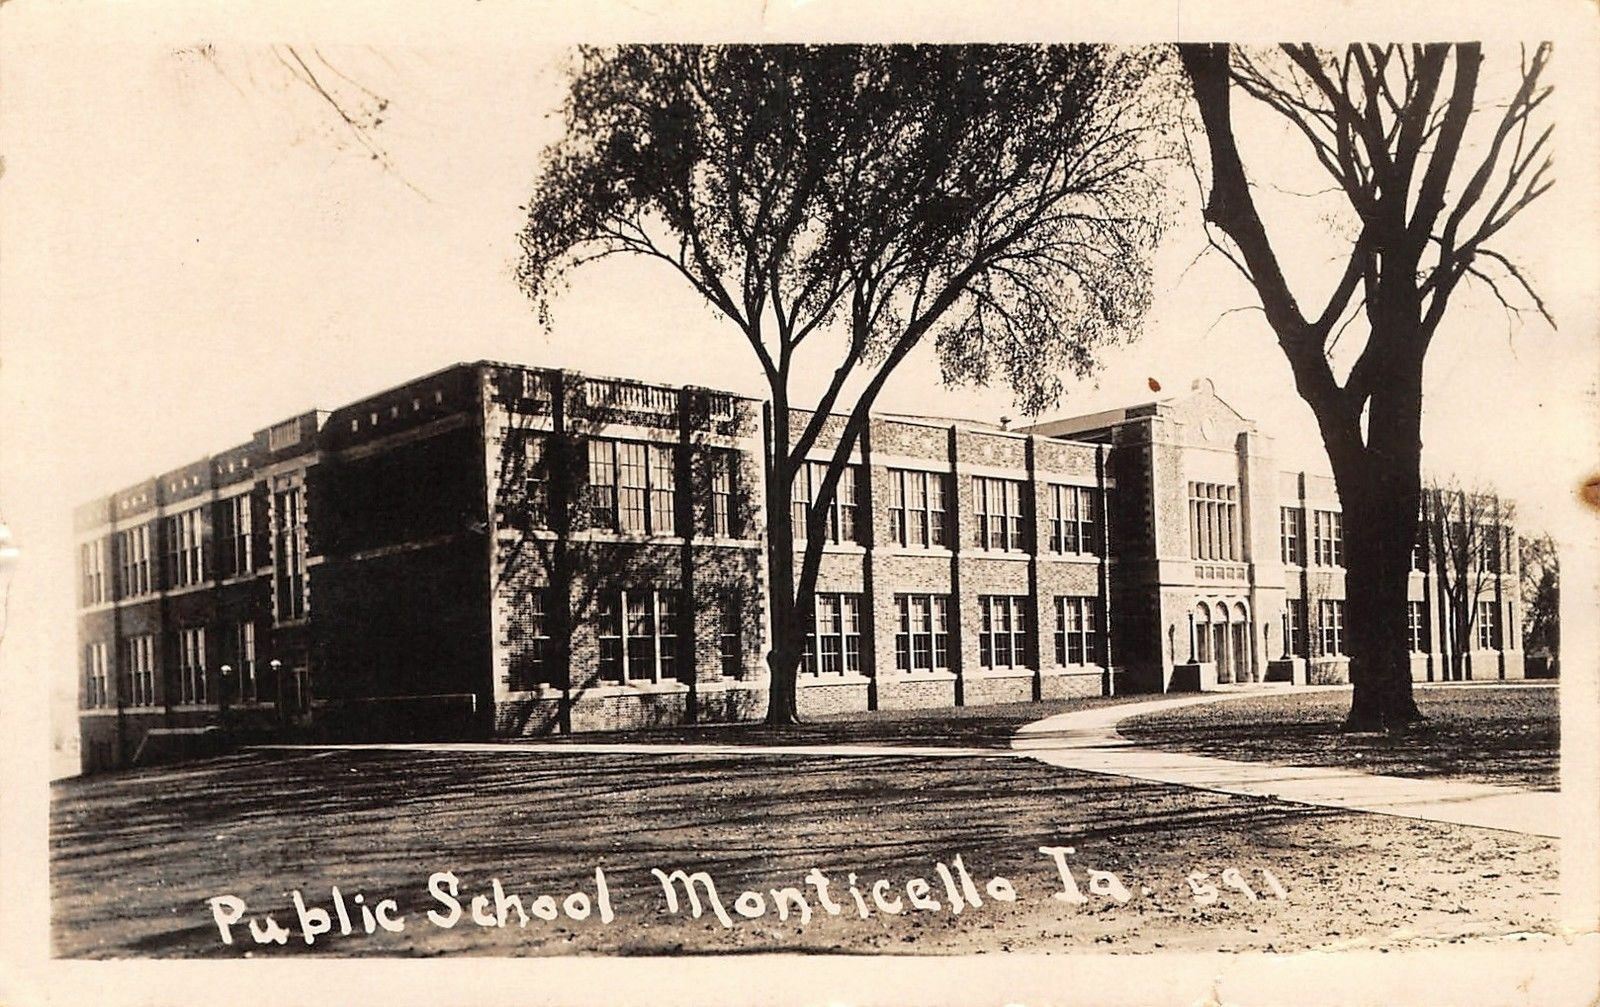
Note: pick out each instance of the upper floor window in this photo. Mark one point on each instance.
(998, 506)
(189, 652)
(536, 482)
(1003, 631)
(633, 487)
(182, 535)
(289, 548)
(833, 635)
(140, 656)
(922, 639)
(638, 633)
(1213, 521)
(234, 537)
(1078, 630)
(917, 509)
(1292, 534)
(1417, 626)
(843, 516)
(92, 561)
(97, 690)
(1328, 538)
(133, 561)
(1074, 520)
(724, 473)
(1419, 550)
(1330, 620)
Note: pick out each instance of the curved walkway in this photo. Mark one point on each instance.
(1087, 740)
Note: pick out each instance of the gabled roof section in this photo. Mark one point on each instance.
(1202, 395)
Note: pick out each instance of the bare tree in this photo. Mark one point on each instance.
(1539, 584)
(1466, 534)
(997, 200)
(1387, 125)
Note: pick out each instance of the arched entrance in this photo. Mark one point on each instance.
(1240, 627)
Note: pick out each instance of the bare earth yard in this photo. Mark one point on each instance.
(136, 856)
(1509, 736)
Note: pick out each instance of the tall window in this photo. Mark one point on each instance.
(1419, 549)
(190, 652)
(133, 561)
(1294, 626)
(141, 658)
(1078, 630)
(833, 637)
(843, 523)
(730, 637)
(1489, 547)
(1213, 521)
(1488, 626)
(1074, 520)
(998, 506)
(724, 466)
(1331, 624)
(290, 552)
(1328, 538)
(917, 509)
(92, 561)
(233, 536)
(182, 535)
(96, 679)
(638, 631)
(536, 484)
(244, 662)
(633, 487)
(1417, 626)
(531, 663)
(1292, 533)
(1003, 631)
(922, 640)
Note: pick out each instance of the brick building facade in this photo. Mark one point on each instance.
(495, 550)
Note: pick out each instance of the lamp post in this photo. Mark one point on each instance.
(277, 684)
(226, 671)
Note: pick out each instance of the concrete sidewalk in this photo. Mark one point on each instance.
(1087, 740)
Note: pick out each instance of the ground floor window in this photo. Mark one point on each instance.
(922, 639)
(1077, 630)
(833, 635)
(96, 685)
(244, 655)
(730, 638)
(1488, 626)
(638, 632)
(141, 658)
(1330, 620)
(191, 660)
(532, 662)
(1003, 632)
(1294, 627)
(1417, 626)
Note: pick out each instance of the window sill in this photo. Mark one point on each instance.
(1087, 558)
(931, 551)
(807, 679)
(834, 548)
(1000, 673)
(1015, 555)
(939, 675)
(631, 538)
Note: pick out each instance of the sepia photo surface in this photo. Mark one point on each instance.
(776, 504)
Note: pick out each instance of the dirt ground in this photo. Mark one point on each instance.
(136, 856)
(1481, 733)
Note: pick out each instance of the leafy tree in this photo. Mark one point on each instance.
(1540, 591)
(1387, 124)
(997, 201)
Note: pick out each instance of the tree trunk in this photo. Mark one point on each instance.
(788, 627)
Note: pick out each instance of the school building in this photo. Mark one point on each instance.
(495, 550)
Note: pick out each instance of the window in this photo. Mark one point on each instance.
(290, 553)
(96, 691)
(1003, 635)
(833, 638)
(92, 562)
(1331, 623)
(1078, 630)
(1328, 538)
(922, 641)
(141, 658)
(1294, 627)
(1292, 533)
(724, 466)
(842, 524)
(244, 663)
(181, 535)
(190, 652)
(633, 487)
(730, 638)
(233, 537)
(1417, 626)
(998, 506)
(1213, 521)
(917, 509)
(133, 558)
(1074, 520)
(1488, 626)
(638, 631)
(1419, 550)
(536, 485)
(1489, 552)
(531, 663)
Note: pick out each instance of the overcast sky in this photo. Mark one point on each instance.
(195, 248)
